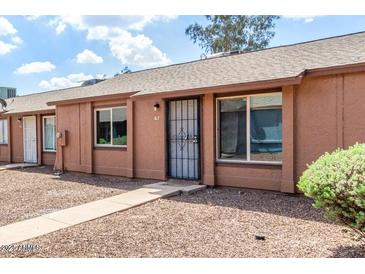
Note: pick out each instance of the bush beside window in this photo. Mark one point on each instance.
(120, 141)
(336, 182)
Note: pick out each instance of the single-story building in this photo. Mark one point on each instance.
(252, 119)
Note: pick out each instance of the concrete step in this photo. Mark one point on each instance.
(184, 188)
(193, 189)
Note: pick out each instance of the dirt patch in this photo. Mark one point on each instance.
(219, 222)
(31, 192)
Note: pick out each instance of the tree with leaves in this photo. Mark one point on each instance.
(123, 71)
(233, 32)
(91, 82)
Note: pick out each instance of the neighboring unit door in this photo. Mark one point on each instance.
(30, 139)
(183, 139)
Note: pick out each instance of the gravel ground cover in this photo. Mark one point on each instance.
(31, 192)
(219, 222)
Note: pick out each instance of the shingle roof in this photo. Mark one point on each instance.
(268, 64)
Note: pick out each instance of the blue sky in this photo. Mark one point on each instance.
(49, 52)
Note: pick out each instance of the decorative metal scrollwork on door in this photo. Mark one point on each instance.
(183, 139)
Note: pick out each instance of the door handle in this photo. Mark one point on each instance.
(196, 139)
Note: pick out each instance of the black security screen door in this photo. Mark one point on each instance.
(183, 139)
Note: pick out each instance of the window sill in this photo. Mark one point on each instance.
(240, 162)
(110, 147)
(3, 144)
(49, 151)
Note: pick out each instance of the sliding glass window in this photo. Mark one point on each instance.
(250, 128)
(111, 126)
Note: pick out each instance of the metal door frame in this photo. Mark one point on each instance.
(24, 138)
(167, 128)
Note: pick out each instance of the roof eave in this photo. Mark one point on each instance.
(340, 69)
(92, 98)
(267, 84)
(28, 112)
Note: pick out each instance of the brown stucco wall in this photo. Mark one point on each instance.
(80, 154)
(259, 176)
(249, 175)
(48, 158)
(329, 114)
(149, 139)
(319, 115)
(315, 120)
(110, 161)
(13, 151)
(16, 127)
(4, 153)
(70, 118)
(354, 108)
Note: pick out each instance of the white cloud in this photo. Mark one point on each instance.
(101, 76)
(127, 22)
(79, 77)
(6, 48)
(8, 31)
(35, 67)
(32, 17)
(102, 33)
(304, 18)
(16, 40)
(145, 20)
(6, 28)
(308, 20)
(55, 83)
(137, 50)
(88, 56)
(71, 80)
(58, 25)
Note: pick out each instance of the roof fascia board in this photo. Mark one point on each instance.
(92, 99)
(28, 113)
(350, 68)
(227, 88)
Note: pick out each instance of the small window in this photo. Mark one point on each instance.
(111, 127)
(250, 128)
(49, 133)
(3, 131)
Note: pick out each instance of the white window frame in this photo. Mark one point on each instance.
(111, 127)
(6, 133)
(248, 130)
(44, 133)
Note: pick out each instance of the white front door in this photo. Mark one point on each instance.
(30, 139)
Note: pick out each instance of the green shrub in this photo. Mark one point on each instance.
(336, 182)
(120, 141)
(102, 141)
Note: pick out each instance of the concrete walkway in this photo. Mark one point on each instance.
(31, 228)
(16, 165)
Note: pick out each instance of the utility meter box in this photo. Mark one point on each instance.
(62, 138)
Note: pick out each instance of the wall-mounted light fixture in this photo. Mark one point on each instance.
(19, 120)
(156, 106)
